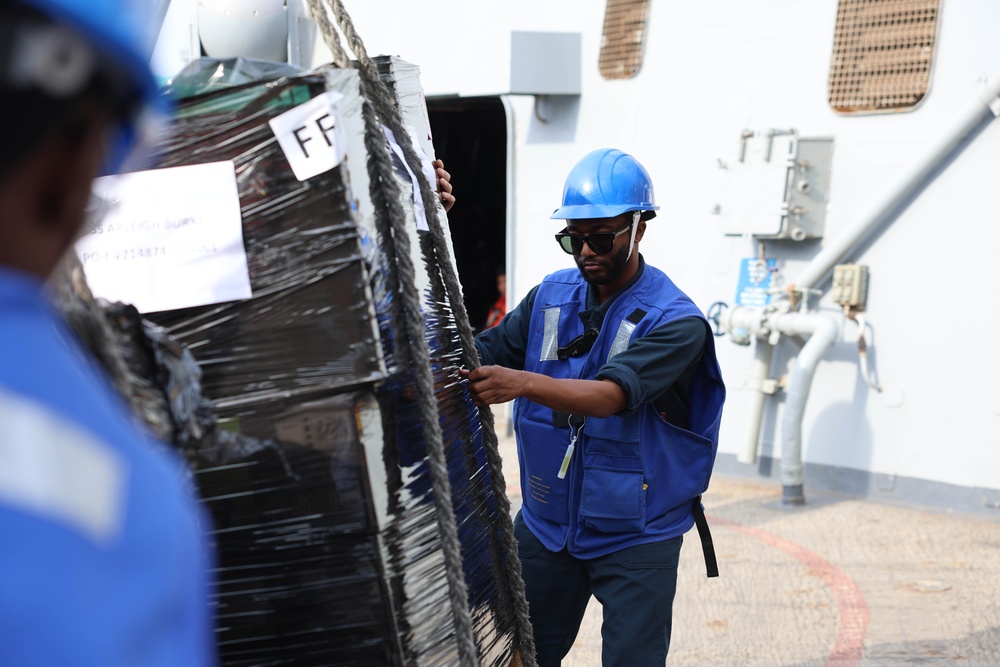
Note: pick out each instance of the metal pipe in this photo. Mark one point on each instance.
(762, 353)
(753, 321)
(823, 331)
(969, 124)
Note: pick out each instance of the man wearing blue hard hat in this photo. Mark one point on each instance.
(104, 559)
(618, 398)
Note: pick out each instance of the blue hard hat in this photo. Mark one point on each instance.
(604, 184)
(119, 30)
(121, 34)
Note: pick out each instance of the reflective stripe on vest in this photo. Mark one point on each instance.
(622, 338)
(52, 468)
(550, 342)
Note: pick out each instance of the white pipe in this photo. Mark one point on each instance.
(754, 320)
(823, 331)
(972, 121)
(759, 369)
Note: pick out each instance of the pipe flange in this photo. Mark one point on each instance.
(740, 336)
(792, 495)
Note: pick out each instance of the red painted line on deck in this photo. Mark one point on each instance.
(852, 610)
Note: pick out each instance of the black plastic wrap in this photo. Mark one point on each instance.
(327, 555)
(307, 328)
(301, 579)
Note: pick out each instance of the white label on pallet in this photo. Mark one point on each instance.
(311, 136)
(170, 238)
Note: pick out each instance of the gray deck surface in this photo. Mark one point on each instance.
(839, 582)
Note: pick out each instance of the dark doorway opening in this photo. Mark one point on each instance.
(470, 135)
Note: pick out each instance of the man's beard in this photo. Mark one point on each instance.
(614, 267)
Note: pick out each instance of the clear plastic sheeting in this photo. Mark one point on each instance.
(206, 75)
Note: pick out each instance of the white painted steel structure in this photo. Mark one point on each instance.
(711, 71)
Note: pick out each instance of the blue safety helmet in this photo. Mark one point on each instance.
(604, 184)
(119, 34)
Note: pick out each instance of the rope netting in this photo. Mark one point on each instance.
(380, 109)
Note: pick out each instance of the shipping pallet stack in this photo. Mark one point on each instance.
(305, 419)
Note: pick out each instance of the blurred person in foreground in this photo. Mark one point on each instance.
(104, 558)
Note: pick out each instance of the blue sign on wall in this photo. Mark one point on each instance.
(755, 280)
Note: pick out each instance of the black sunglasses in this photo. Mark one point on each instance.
(601, 242)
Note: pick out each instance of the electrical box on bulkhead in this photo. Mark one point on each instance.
(776, 186)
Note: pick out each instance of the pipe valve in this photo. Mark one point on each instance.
(714, 315)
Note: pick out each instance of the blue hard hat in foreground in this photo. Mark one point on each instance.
(110, 37)
(605, 183)
(116, 29)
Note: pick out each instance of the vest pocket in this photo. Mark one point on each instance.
(541, 454)
(613, 500)
(614, 437)
(679, 470)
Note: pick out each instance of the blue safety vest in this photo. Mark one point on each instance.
(626, 480)
(103, 561)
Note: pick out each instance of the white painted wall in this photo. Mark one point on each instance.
(711, 70)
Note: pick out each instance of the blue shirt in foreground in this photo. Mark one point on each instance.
(104, 560)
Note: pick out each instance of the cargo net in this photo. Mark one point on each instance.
(622, 38)
(330, 550)
(882, 51)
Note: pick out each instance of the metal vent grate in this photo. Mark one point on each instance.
(882, 53)
(621, 43)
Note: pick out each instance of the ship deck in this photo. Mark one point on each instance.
(839, 582)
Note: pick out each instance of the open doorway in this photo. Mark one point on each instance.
(470, 135)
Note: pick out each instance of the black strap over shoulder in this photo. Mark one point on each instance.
(711, 565)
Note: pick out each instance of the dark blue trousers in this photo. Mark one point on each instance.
(635, 586)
